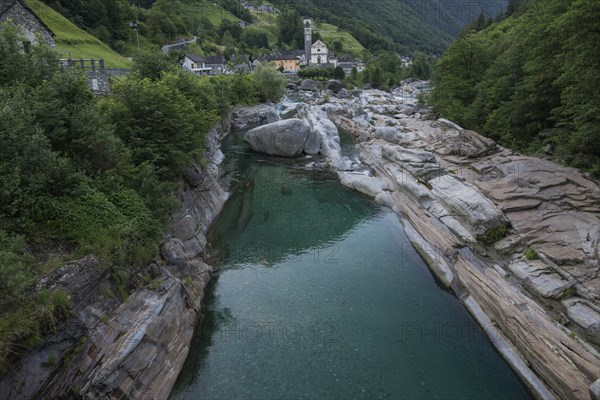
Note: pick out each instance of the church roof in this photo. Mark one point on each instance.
(318, 43)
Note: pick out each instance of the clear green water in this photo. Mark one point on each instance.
(321, 296)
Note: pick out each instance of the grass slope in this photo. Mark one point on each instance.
(265, 22)
(330, 32)
(206, 8)
(70, 38)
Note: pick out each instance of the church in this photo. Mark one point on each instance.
(316, 53)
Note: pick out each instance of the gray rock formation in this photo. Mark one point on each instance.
(320, 125)
(343, 93)
(309, 85)
(272, 116)
(334, 85)
(244, 117)
(595, 390)
(586, 315)
(284, 138)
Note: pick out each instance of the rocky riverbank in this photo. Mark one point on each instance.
(515, 237)
(134, 348)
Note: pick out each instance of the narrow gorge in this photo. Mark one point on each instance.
(511, 240)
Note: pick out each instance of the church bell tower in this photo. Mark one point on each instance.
(307, 38)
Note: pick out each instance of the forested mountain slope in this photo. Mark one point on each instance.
(531, 81)
(403, 26)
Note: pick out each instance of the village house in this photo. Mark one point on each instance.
(204, 65)
(347, 64)
(289, 60)
(32, 27)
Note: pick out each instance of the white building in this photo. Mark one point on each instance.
(319, 54)
(204, 65)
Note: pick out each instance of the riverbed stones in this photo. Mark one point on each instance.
(309, 85)
(320, 124)
(334, 85)
(272, 116)
(173, 251)
(246, 116)
(312, 145)
(283, 138)
(185, 228)
(420, 163)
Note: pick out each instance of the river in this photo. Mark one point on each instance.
(320, 295)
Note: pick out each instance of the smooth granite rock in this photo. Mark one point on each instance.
(284, 138)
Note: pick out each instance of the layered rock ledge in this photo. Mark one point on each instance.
(515, 237)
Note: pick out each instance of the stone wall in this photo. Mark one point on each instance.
(31, 26)
(98, 81)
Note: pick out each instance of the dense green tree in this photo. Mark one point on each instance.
(578, 114)
(291, 30)
(151, 64)
(255, 39)
(338, 73)
(157, 123)
(270, 85)
(529, 80)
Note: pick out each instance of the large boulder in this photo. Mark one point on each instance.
(309, 84)
(283, 138)
(334, 85)
(320, 125)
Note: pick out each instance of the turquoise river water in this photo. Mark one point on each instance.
(320, 295)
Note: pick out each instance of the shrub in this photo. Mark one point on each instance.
(270, 85)
(493, 235)
(530, 254)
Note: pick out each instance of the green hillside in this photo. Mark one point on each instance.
(530, 81)
(329, 33)
(69, 38)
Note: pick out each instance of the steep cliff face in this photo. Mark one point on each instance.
(133, 349)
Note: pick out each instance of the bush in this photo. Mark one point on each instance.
(493, 235)
(94, 176)
(530, 254)
(270, 85)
